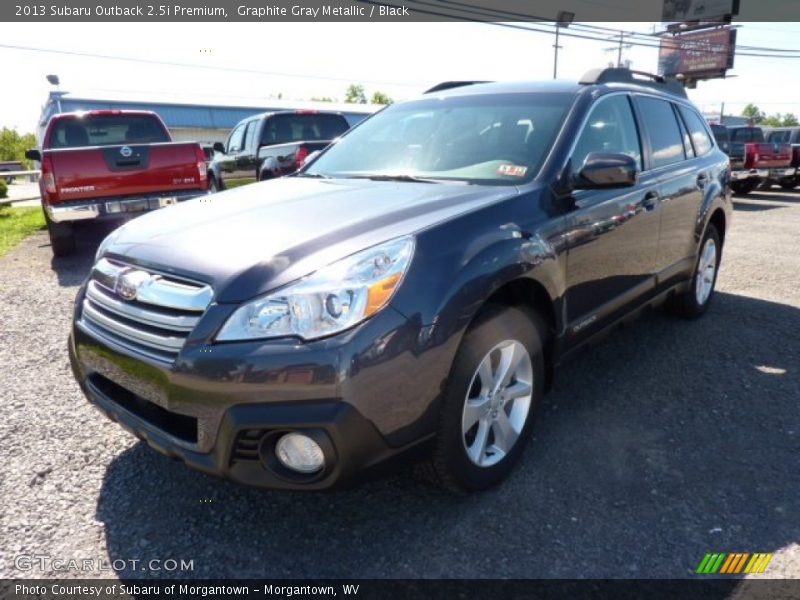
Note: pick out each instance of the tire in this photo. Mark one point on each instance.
(213, 186)
(788, 184)
(742, 188)
(694, 301)
(470, 457)
(62, 237)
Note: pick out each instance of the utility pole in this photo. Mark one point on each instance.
(619, 54)
(721, 113)
(563, 19)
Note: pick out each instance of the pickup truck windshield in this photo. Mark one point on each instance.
(106, 130)
(488, 139)
(747, 135)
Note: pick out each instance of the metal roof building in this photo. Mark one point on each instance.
(187, 118)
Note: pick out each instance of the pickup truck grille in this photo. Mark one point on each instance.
(143, 311)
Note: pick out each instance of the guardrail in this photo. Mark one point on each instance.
(19, 173)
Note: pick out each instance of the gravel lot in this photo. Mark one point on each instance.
(669, 440)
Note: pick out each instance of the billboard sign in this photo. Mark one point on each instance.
(698, 54)
(698, 10)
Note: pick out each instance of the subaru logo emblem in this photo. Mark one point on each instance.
(125, 151)
(129, 282)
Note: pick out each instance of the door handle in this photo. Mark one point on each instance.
(650, 201)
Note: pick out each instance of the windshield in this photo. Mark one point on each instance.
(491, 139)
(107, 130)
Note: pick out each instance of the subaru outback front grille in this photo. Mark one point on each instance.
(144, 311)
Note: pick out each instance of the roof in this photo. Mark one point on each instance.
(191, 114)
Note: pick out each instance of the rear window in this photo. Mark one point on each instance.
(747, 134)
(302, 127)
(779, 137)
(107, 130)
(720, 133)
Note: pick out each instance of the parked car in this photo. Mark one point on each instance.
(755, 162)
(411, 291)
(111, 165)
(787, 135)
(271, 145)
(10, 166)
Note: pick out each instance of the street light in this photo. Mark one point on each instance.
(54, 80)
(563, 19)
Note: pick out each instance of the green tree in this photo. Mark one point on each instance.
(14, 144)
(775, 120)
(355, 94)
(752, 112)
(381, 98)
(789, 120)
(322, 99)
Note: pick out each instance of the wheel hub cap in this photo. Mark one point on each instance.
(497, 404)
(706, 272)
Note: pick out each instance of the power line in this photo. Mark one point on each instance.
(207, 67)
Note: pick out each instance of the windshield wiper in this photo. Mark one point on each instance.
(313, 175)
(399, 177)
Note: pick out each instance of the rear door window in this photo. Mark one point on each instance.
(697, 129)
(663, 131)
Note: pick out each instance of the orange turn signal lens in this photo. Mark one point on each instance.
(380, 292)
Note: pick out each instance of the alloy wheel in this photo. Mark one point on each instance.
(497, 403)
(706, 271)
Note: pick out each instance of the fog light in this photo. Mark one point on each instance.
(300, 453)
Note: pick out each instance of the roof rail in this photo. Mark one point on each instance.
(618, 75)
(448, 85)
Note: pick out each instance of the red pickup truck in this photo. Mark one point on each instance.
(754, 161)
(111, 165)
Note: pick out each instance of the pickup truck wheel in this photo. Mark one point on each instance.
(62, 237)
(788, 184)
(694, 301)
(743, 188)
(490, 401)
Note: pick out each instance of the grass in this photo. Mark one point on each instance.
(18, 223)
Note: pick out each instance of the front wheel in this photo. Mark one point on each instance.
(788, 184)
(744, 187)
(490, 401)
(694, 301)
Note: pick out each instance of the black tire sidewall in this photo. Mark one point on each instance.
(497, 325)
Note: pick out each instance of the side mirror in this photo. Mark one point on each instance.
(606, 170)
(219, 147)
(33, 154)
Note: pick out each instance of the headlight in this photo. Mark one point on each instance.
(328, 301)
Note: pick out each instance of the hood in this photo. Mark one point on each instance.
(255, 238)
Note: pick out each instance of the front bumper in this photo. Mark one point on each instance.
(116, 207)
(221, 407)
(750, 174)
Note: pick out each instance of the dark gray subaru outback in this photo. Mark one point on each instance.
(411, 290)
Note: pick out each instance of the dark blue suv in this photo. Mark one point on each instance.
(410, 291)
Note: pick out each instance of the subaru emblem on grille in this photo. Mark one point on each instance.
(125, 151)
(129, 282)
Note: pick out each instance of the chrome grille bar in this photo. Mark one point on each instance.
(144, 311)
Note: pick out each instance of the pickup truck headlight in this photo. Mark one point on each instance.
(328, 301)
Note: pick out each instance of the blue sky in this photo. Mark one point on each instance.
(400, 59)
